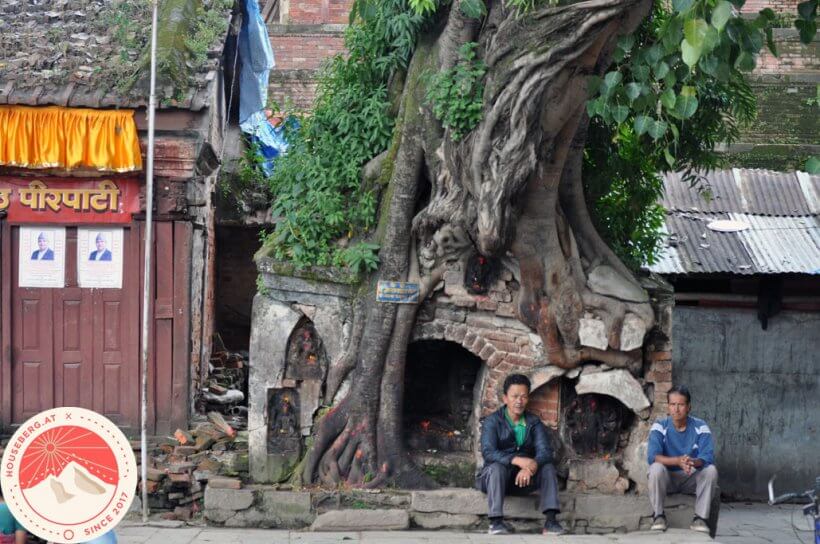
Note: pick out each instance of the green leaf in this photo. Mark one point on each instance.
(474, 9)
(694, 30)
(675, 133)
(813, 165)
(640, 71)
(710, 39)
(654, 54)
(690, 53)
(721, 14)
(672, 34)
(745, 62)
(626, 42)
(670, 160)
(682, 6)
(770, 40)
(687, 103)
(612, 79)
(633, 90)
(642, 123)
(661, 69)
(620, 113)
(807, 10)
(668, 99)
(807, 30)
(738, 3)
(657, 129)
(594, 85)
(709, 65)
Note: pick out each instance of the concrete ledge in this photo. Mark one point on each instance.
(449, 508)
(362, 520)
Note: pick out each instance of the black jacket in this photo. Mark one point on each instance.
(498, 440)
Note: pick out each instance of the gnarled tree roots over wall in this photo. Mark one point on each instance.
(510, 189)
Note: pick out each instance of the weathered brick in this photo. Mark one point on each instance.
(506, 309)
(660, 356)
(495, 358)
(487, 305)
(505, 346)
(519, 361)
(662, 366)
(487, 351)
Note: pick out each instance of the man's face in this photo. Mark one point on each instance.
(515, 399)
(100, 244)
(678, 407)
(42, 243)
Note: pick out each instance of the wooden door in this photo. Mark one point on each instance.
(73, 346)
(81, 347)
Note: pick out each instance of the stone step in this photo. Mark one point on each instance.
(362, 520)
(472, 501)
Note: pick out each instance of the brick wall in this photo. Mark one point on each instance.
(545, 402)
(296, 87)
(315, 11)
(779, 6)
(305, 50)
(793, 56)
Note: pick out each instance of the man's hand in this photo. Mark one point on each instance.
(687, 464)
(523, 478)
(526, 463)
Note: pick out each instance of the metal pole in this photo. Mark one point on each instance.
(146, 287)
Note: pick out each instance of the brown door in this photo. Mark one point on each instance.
(73, 346)
(81, 347)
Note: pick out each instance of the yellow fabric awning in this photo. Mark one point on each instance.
(57, 137)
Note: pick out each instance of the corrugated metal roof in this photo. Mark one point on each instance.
(780, 208)
(782, 244)
(761, 192)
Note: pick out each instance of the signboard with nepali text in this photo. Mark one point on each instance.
(69, 200)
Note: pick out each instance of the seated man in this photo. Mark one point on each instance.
(681, 460)
(517, 458)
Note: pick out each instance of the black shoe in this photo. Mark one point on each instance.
(699, 524)
(659, 523)
(499, 528)
(553, 528)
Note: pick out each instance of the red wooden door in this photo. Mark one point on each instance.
(81, 347)
(73, 346)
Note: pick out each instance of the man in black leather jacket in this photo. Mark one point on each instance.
(517, 458)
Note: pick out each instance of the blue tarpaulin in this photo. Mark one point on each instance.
(256, 61)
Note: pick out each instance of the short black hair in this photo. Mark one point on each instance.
(681, 390)
(516, 379)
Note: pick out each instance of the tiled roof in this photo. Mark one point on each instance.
(781, 213)
(78, 53)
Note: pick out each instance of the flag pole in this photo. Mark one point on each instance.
(146, 287)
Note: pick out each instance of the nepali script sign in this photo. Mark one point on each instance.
(69, 200)
(397, 292)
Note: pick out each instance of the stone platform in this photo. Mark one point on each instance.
(448, 508)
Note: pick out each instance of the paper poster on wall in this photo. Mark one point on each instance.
(99, 257)
(41, 257)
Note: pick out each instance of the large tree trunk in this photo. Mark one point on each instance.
(512, 187)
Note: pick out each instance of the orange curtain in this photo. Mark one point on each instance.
(57, 137)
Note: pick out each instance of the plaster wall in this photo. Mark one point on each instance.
(758, 390)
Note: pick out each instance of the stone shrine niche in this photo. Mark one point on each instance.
(306, 358)
(593, 424)
(284, 435)
(481, 273)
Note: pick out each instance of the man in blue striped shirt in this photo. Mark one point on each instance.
(681, 459)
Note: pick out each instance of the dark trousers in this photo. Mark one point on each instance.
(497, 480)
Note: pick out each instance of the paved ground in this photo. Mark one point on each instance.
(739, 523)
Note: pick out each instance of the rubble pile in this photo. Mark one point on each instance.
(226, 388)
(212, 453)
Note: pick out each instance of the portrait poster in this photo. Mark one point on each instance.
(41, 257)
(99, 257)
